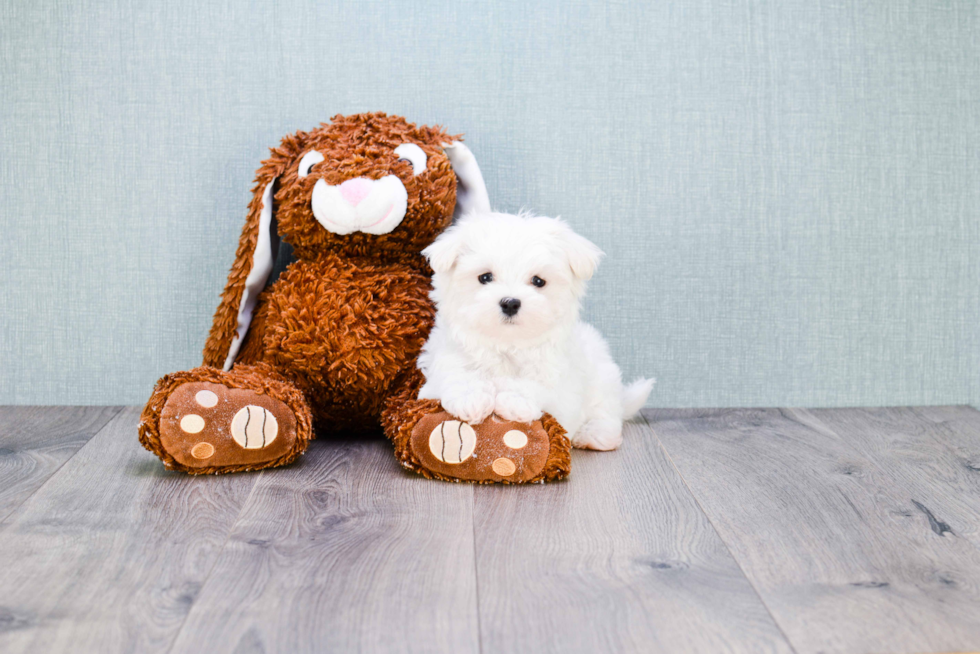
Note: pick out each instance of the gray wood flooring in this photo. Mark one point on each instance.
(731, 530)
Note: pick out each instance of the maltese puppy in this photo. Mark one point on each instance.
(507, 337)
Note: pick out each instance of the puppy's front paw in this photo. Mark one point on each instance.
(471, 404)
(516, 407)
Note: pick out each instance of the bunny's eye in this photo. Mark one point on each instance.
(414, 155)
(309, 160)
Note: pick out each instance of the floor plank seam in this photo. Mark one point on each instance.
(109, 421)
(217, 559)
(476, 577)
(728, 548)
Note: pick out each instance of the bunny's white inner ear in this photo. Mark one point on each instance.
(471, 190)
(262, 261)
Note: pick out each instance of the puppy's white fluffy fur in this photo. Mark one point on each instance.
(479, 360)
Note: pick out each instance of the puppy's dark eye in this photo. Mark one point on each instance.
(404, 160)
(485, 278)
(537, 281)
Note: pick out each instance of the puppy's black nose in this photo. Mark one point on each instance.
(510, 305)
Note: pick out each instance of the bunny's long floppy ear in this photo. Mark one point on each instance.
(254, 258)
(471, 190)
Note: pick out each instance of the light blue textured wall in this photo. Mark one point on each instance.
(788, 190)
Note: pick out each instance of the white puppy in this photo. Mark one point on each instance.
(507, 337)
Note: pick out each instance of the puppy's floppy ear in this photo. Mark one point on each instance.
(445, 251)
(471, 190)
(583, 255)
(254, 258)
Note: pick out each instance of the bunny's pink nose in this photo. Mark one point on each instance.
(355, 190)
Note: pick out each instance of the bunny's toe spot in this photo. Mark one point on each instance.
(192, 423)
(207, 399)
(515, 439)
(202, 451)
(504, 467)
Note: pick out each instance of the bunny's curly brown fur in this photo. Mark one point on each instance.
(361, 145)
(336, 336)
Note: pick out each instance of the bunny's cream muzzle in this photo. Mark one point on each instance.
(372, 206)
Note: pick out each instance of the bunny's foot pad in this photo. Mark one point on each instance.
(495, 450)
(207, 425)
(211, 427)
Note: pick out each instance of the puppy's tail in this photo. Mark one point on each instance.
(635, 396)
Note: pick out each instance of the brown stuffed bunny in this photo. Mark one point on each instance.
(332, 343)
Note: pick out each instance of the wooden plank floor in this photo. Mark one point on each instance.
(734, 530)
